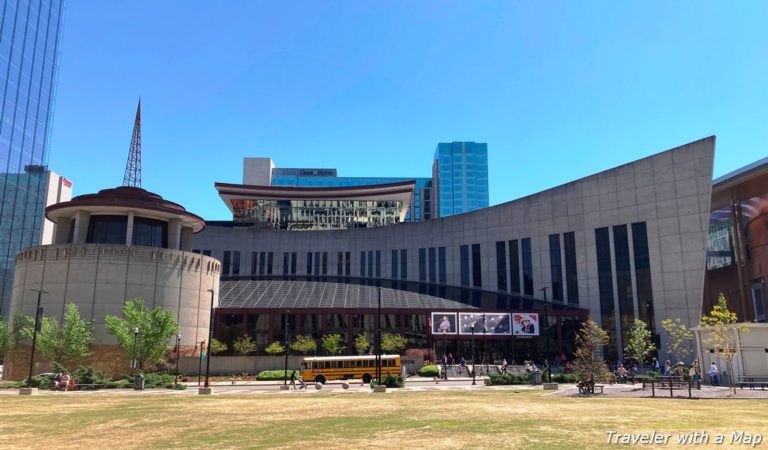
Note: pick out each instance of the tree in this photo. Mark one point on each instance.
(333, 344)
(4, 332)
(588, 363)
(679, 340)
(244, 345)
(304, 344)
(217, 346)
(156, 328)
(640, 343)
(65, 344)
(393, 342)
(361, 343)
(275, 349)
(723, 330)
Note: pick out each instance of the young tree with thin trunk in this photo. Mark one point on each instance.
(679, 339)
(65, 344)
(640, 343)
(244, 345)
(361, 343)
(275, 349)
(588, 363)
(333, 344)
(304, 344)
(723, 333)
(393, 342)
(156, 327)
(217, 346)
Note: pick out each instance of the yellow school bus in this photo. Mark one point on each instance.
(320, 369)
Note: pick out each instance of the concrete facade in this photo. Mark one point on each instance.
(669, 193)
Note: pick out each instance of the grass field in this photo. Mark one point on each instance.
(448, 419)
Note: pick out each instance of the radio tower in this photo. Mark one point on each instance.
(133, 166)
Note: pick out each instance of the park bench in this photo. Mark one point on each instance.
(589, 388)
(753, 382)
(670, 384)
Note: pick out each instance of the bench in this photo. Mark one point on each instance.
(587, 388)
(753, 382)
(671, 383)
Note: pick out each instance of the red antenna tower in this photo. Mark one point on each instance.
(133, 166)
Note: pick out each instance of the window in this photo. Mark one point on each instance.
(432, 265)
(441, 264)
(422, 264)
(207, 252)
(235, 263)
(339, 263)
(347, 262)
(317, 263)
(404, 264)
(362, 264)
(285, 262)
(262, 256)
(623, 280)
(370, 264)
(643, 274)
(571, 275)
(556, 267)
(395, 273)
(254, 263)
(107, 230)
(758, 308)
(325, 263)
(605, 283)
(501, 265)
(378, 263)
(464, 260)
(514, 267)
(476, 269)
(225, 264)
(293, 263)
(309, 263)
(527, 267)
(149, 232)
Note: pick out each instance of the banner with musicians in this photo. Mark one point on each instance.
(443, 323)
(485, 323)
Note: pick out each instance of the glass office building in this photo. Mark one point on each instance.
(460, 178)
(30, 34)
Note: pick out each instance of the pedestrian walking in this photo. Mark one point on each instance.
(293, 379)
(714, 375)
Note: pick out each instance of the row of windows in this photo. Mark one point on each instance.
(261, 263)
(436, 263)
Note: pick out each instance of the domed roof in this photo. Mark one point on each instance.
(121, 200)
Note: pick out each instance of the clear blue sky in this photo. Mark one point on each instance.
(558, 90)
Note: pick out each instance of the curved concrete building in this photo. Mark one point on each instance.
(111, 246)
(622, 244)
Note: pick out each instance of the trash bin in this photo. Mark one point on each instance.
(536, 377)
(139, 383)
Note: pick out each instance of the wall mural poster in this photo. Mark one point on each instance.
(485, 323)
(443, 323)
(525, 324)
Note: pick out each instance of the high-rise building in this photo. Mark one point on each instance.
(459, 178)
(30, 34)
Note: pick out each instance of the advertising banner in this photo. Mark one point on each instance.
(525, 324)
(444, 323)
(485, 323)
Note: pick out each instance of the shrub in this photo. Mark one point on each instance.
(429, 371)
(273, 375)
(89, 375)
(11, 384)
(41, 381)
(564, 378)
(158, 380)
(502, 379)
(390, 381)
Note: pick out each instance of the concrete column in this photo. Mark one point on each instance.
(61, 231)
(174, 234)
(129, 229)
(81, 227)
(186, 239)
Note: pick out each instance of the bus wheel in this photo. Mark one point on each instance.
(367, 378)
(320, 379)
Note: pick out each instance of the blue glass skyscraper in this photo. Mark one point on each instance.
(460, 177)
(30, 32)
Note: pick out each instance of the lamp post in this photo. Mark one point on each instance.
(135, 346)
(210, 338)
(38, 319)
(378, 339)
(546, 335)
(178, 348)
(285, 367)
(472, 327)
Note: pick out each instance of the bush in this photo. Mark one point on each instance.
(273, 375)
(429, 371)
(41, 381)
(159, 380)
(89, 375)
(502, 379)
(390, 381)
(11, 384)
(564, 378)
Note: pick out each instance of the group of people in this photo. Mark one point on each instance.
(694, 371)
(61, 381)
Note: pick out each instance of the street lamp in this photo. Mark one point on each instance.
(178, 348)
(210, 338)
(472, 327)
(285, 368)
(38, 319)
(546, 334)
(378, 340)
(135, 346)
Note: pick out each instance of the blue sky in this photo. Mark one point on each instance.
(558, 90)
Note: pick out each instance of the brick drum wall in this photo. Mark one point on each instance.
(110, 359)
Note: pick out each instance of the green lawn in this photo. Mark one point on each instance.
(448, 419)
